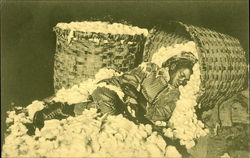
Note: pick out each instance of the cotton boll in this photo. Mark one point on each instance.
(11, 114)
(23, 129)
(51, 123)
(206, 130)
(154, 150)
(160, 123)
(190, 144)
(142, 134)
(148, 129)
(161, 143)
(172, 152)
(9, 120)
(168, 132)
(105, 73)
(225, 155)
(200, 124)
(34, 107)
(139, 153)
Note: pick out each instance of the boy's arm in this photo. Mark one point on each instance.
(130, 82)
(136, 76)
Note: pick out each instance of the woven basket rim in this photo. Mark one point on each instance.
(55, 28)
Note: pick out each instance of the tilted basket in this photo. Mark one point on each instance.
(222, 60)
(82, 48)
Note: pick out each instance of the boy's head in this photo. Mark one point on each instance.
(180, 68)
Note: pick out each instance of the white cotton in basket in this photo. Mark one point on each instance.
(102, 27)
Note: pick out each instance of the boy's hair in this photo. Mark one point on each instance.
(178, 64)
(184, 60)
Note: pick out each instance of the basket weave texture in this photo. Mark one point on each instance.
(222, 60)
(81, 57)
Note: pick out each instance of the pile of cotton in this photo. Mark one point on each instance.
(89, 134)
(183, 122)
(80, 93)
(86, 135)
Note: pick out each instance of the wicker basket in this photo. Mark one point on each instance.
(222, 60)
(81, 57)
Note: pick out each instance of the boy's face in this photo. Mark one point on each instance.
(180, 77)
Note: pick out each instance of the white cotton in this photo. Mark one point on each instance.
(34, 107)
(160, 123)
(105, 73)
(225, 156)
(85, 135)
(103, 27)
(183, 122)
(184, 119)
(168, 132)
(171, 151)
(51, 123)
(78, 142)
(79, 93)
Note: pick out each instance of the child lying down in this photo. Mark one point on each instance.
(150, 93)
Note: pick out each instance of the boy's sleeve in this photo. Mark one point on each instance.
(129, 84)
(132, 79)
(136, 76)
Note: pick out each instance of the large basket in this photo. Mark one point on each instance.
(79, 55)
(222, 60)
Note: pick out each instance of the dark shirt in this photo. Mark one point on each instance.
(146, 86)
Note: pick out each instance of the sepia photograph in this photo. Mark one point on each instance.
(113, 78)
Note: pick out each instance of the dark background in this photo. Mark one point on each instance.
(28, 42)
